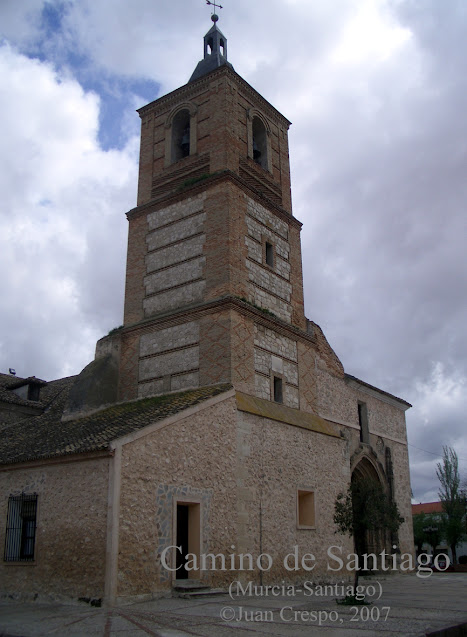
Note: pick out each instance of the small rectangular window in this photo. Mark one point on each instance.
(278, 397)
(269, 254)
(20, 535)
(305, 509)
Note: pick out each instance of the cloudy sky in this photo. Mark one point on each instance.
(377, 93)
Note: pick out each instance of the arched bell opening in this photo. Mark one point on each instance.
(260, 143)
(181, 135)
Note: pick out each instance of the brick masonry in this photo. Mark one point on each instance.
(208, 243)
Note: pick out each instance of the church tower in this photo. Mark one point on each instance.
(248, 429)
(214, 289)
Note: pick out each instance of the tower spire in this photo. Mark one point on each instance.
(215, 49)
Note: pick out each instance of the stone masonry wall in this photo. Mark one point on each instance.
(275, 460)
(194, 460)
(71, 529)
(269, 287)
(338, 402)
(402, 493)
(275, 353)
(307, 374)
(250, 465)
(169, 359)
(175, 261)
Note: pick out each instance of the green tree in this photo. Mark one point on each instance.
(419, 535)
(427, 529)
(364, 508)
(434, 529)
(453, 500)
(464, 497)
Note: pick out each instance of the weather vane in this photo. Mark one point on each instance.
(214, 4)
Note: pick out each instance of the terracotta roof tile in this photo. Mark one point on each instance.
(427, 507)
(46, 436)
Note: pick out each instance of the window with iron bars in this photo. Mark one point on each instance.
(21, 528)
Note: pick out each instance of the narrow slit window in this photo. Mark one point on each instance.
(269, 253)
(278, 394)
(363, 423)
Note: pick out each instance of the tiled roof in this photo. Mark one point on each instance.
(7, 379)
(47, 393)
(427, 507)
(26, 381)
(6, 394)
(46, 436)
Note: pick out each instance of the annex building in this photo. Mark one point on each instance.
(218, 418)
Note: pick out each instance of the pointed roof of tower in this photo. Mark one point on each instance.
(215, 52)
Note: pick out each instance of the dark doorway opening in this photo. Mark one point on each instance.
(188, 528)
(182, 540)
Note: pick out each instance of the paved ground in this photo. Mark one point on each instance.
(408, 606)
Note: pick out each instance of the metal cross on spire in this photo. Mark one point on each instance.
(214, 4)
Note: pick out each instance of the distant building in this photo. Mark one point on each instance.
(218, 418)
(427, 507)
(436, 508)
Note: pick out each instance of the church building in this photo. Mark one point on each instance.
(217, 421)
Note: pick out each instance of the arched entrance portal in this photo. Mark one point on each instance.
(363, 476)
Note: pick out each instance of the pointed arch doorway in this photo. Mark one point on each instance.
(363, 473)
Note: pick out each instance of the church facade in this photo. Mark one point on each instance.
(217, 420)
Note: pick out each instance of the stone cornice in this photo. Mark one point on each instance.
(189, 313)
(380, 394)
(59, 459)
(283, 414)
(193, 88)
(225, 175)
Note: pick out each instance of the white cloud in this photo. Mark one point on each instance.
(62, 223)
(372, 36)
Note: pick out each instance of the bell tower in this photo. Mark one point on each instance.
(214, 289)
